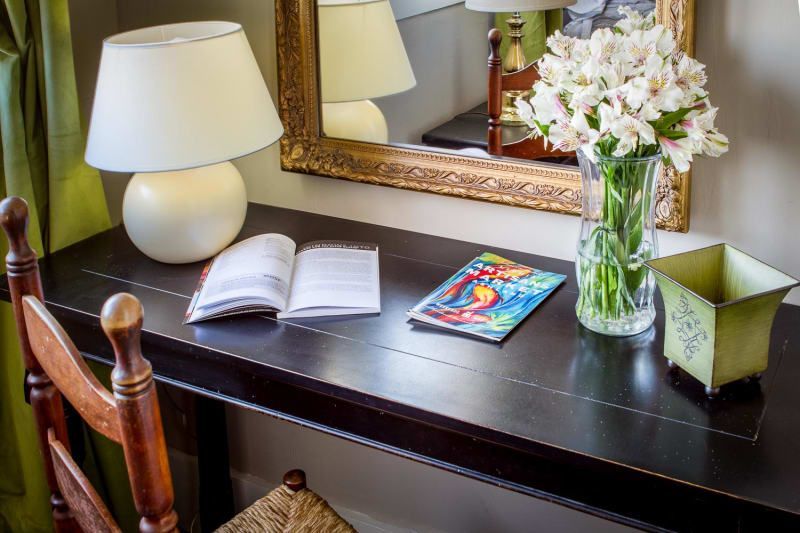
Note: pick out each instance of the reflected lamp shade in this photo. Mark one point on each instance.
(361, 52)
(179, 96)
(506, 6)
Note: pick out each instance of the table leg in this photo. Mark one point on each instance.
(216, 491)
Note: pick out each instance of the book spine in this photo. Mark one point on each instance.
(197, 291)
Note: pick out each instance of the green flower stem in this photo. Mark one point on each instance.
(610, 271)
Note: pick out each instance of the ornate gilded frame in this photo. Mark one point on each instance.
(534, 185)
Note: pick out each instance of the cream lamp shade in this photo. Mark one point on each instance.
(174, 104)
(361, 52)
(179, 96)
(504, 6)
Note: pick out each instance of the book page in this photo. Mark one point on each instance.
(336, 274)
(257, 268)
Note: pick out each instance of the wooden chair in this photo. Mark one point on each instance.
(130, 416)
(522, 80)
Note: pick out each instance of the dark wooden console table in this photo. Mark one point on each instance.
(557, 412)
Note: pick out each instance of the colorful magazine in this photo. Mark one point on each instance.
(487, 298)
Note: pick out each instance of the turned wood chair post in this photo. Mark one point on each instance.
(23, 280)
(495, 97)
(140, 416)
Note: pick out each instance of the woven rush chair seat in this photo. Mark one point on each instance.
(291, 507)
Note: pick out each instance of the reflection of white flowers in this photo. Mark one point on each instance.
(624, 92)
(634, 20)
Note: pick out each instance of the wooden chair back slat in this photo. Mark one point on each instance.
(66, 368)
(89, 510)
(130, 416)
(522, 80)
(529, 149)
(23, 279)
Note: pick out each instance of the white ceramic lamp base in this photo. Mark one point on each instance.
(361, 120)
(187, 215)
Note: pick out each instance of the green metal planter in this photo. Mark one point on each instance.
(720, 304)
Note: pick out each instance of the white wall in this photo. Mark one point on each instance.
(447, 49)
(409, 8)
(749, 198)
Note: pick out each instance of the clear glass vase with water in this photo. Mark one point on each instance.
(617, 236)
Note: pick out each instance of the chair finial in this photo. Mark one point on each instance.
(121, 319)
(495, 38)
(14, 219)
(295, 480)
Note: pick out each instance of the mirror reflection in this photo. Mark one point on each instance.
(414, 73)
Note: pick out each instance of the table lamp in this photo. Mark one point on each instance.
(515, 57)
(175, 104)
(361, 57)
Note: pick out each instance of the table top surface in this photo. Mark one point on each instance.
(550, 387)
(469, 130)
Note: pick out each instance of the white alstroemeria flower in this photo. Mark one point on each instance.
(640, 46)
(648, 112)
(584, 86)
(691, 77)
(662, 36)
(629, 131)
(697, 124)
(561, 45)
(612, 74)
(604, 45)
(547, 105)
(575, 134)
(553, 70)
(607, 115)
(679, 151)
(581, 51)
(706, 116)
(633, 20)
(656, 87)
(715, 143)
(616, 97)
(627, 78)
(525, 112)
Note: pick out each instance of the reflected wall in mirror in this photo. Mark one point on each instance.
(394, 92)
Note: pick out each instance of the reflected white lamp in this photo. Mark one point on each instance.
(175, 104)
(361, 57)
(515, 56)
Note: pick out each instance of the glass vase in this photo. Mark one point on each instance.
(618, 234)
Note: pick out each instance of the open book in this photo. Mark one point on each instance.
(269, 273)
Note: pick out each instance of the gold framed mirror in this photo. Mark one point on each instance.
(533, 184)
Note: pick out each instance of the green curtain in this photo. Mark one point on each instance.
(538, 25)
(41, 148)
